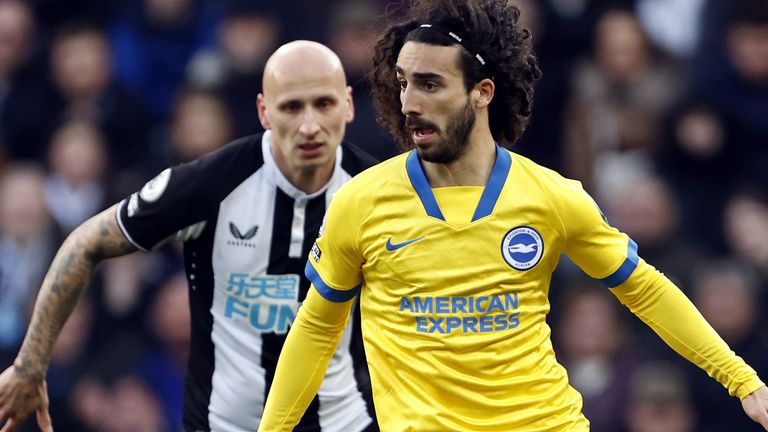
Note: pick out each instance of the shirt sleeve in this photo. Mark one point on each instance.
(335, 261)
(165, 205)
(664, 308)
(177, 202)
(607, 254)
(602, 251)
(334, 268)
(304, 359)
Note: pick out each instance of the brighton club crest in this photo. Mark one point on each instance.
(522, 248)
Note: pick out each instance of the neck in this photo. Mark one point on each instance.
(307, 180)
(472, 168)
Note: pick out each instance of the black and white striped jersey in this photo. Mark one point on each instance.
(247, 232)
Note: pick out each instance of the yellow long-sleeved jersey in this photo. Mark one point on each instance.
(453, 285)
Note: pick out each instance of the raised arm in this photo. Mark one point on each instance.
(22, 385)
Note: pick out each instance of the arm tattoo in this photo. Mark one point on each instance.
(97, 239)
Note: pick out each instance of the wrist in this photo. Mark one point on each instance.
(27, 370)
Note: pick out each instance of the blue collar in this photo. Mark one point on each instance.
(487, 199)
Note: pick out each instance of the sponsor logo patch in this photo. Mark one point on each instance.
(268, 303)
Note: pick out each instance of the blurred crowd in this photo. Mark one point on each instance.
(659, 107)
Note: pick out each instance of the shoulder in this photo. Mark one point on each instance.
(239, 157)
(220, 171)
(545, 178)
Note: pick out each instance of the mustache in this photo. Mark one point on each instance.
(413, 122)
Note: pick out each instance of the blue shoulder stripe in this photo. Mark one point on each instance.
(326, 291)
(625, 270)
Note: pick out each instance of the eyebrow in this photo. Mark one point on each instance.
(324, 96)
(421, 75)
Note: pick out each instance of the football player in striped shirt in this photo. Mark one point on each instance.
(247, 215)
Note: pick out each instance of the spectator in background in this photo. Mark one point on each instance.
(133, 407)
(123, 403)
(247, 34)
(81, 70)
(542, 140)
(660, 401)
(728, 295)
(732, 75)
(201, 123)
(153, 40)
(648, 212)
(673, 25)
(89, 401)
(697, 160)
(163, 367)
(75, 189)
(352, 31)
(571, 24)
(69, 361)
(28, 239)
(746, 229)
(24, 102)
(595, 347)
(618, 101)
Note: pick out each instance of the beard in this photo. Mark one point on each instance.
(456, 139)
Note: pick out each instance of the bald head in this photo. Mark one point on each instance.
(300, 62)
(306, 104)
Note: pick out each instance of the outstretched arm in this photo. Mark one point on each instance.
(22, 385)
(661, 305)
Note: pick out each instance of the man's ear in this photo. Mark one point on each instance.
(484, 91)
(262, 110)
(350, 105)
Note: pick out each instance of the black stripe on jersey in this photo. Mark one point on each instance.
(201, 363)
(281, 263)
(355, 160)
(360, 364)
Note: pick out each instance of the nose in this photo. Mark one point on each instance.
(309, 123)
(409, 102)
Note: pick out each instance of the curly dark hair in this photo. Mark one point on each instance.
(489, 25)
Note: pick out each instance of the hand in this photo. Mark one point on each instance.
(19, 397)
(756, 406)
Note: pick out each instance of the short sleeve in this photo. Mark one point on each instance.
(188, 194)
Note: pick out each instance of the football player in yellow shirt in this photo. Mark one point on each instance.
(451, 248)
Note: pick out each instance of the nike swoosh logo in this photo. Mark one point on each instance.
(395, 246)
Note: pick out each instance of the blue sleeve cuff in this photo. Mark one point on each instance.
(625, 270)
(326, 291)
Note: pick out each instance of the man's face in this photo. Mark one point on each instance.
(748, 50)
(307, 110)
(439, 115)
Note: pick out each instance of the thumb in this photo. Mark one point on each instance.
(44, 419)
(43, 416)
